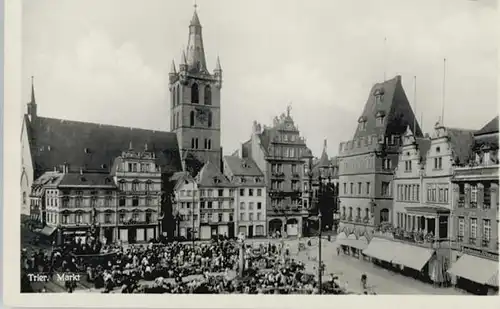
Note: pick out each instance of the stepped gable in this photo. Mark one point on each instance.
(242, 167)
(387, 99)
(94, 146)
(210, 176)
(266, 137)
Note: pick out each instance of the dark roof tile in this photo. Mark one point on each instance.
(94, 146)
(490, 127)
(242, 166)
(94, 180)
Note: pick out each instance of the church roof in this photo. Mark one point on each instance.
(210, 176)
(94, 146)
(242, 166)
(387, 99)
(490, 127)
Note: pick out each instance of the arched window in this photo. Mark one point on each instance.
(206, 143)
(192, 143)
(350, 212)
(174, 96)
(195, 94)
(384, 215)
(178, 94)
(209, 119)
(208, 95)
(367, 212)
(343, 211)
(358, 215)
(196, 143)
(209, 144)
(191, 118)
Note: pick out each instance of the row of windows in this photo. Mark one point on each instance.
(473, 228)
(358, 190)
(195, 95)
(250, 216)
(214, 217)
(135, 185)
(278, 168)
(108, 201)
(409, 193)
(140, 167)
(437, 194)
(220, 192)
(206, 145)
(279, 202)
(80, 218)
(208, 205)
(250, 206)
(474, 195)
(288, 152)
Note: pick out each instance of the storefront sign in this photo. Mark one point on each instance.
(480, 253)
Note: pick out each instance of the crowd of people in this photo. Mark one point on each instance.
(177, 268)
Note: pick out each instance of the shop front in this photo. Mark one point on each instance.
(137, 234)
(476, 272)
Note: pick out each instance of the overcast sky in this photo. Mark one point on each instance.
(107, 60)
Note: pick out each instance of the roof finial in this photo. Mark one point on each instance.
(130, 146)
(289, 109)
(324, 144)
(146, 146)
(195, 5)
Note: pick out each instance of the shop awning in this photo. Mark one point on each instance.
(412, 256)
(354, 243)
(381, 249)
(476, 269)
(48, 230)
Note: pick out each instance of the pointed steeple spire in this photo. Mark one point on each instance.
(130, 147)
(33, 90)
(32, 106)
(195, 50)
(324, 161)
(218, 67)
(172, 68)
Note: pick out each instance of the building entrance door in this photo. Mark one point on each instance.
(250, 231)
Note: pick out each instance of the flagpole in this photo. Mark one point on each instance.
(415, 106)
(444, 92)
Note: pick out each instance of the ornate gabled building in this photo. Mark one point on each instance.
(217, 198)
(278, 151)
(475, 201)
(139, 182)
(251, 195)
(195, 105)
(366, 163)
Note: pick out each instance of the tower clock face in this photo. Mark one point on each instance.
(202, 115)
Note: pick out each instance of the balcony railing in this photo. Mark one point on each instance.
(349, 218)
(473, 204)
(417, 237)
(460, 238)
(296, 175)
(366, 220)
(472, 241)
(343, 217)
(461, 201)
(357, 219)
(278, 174)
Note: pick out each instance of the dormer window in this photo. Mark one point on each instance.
(362, 123)
(257, 179)
(216, 180)
(379, 95)
(243, 180)
(438, 149)
(380, 118)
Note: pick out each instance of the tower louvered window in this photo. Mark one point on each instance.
(208, 95)
(195, 94)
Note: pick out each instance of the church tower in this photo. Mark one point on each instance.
(195, 103)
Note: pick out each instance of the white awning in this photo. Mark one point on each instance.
(48, 230)
(476, 269)
(381, 249)
(414, 257)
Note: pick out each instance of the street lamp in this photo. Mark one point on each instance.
(309, 157)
